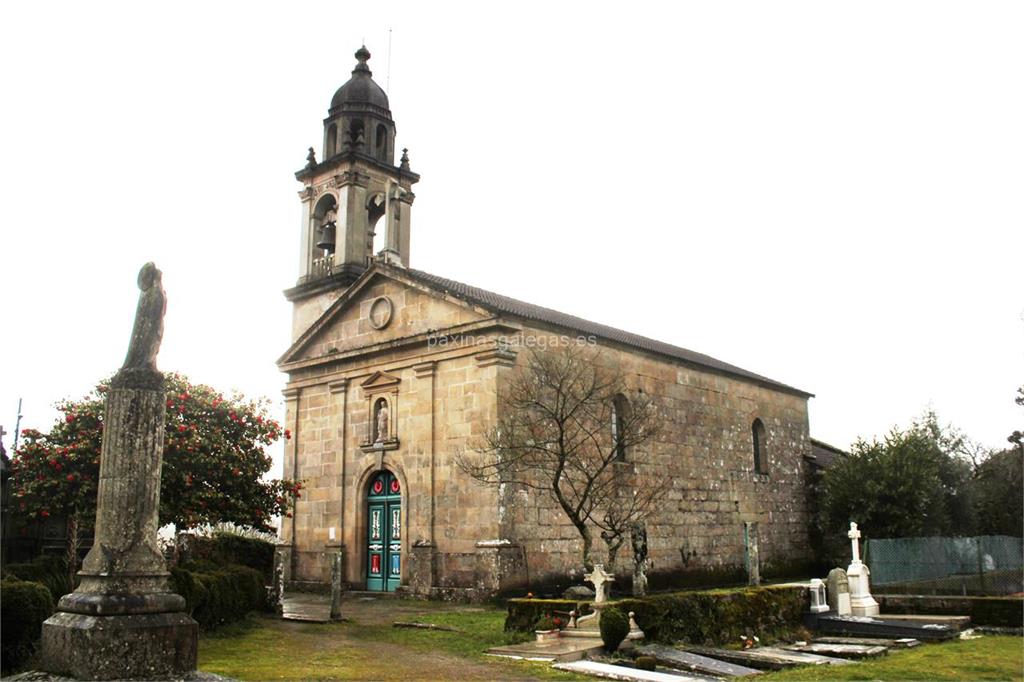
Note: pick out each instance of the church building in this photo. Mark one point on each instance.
(378, 410)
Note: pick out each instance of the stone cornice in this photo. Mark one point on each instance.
(338, 160)
(405, 342)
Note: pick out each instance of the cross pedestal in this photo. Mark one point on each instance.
(861, 601)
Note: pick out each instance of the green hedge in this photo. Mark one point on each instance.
(997, 611)
(707, 617)
(719, 616)
(51, 571)
(229, 548)
(218, 594)
(524, 614)
(25, 606)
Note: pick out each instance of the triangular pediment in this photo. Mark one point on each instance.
(379, 380)
(383, 306)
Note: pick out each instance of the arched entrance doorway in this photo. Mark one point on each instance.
(383, 532)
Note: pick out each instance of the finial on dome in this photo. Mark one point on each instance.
(363, 55)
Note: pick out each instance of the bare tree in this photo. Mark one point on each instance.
(560, 432)
(630, 502)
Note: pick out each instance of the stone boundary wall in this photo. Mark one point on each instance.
(994, 611)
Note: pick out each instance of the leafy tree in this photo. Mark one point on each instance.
(912, 483)
(213, 462)
(998, 494)
(554, 435)
(998, 487)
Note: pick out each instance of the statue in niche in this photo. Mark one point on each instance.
(149, 321)
(382, 421)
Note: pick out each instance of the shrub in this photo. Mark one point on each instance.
(646, 663)
(231, 548)
(546, 623)
(707, 617)
(51, 571)
(614, 628)
(719, 617)
(216, 595)
(25, 606)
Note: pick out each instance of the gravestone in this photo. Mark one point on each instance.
(819, 604)
(861, 601)
(752, 556)
(838, 592)
(123, 622)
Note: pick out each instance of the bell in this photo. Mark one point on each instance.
(326, 239)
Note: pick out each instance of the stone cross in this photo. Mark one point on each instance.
(600, 579)
(854, 536)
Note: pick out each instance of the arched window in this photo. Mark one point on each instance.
(381, 141)
(355, 134)
(620, 408)
(757, 433)
(331, 146)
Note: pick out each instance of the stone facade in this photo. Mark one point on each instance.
(438, 364)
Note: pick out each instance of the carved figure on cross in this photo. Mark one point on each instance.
(600, 579)
(854, 536)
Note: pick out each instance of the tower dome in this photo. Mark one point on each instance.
(361, 89)
(359, 119)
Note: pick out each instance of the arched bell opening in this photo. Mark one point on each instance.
(325, 224)
(375, 208)
(331, 141)
(381, 142)
(356, 135)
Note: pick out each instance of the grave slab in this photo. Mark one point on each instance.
(869, 626)
(851, 651)
(958, 622)
(684, 660)
(561, 650)
(766, 658)
(901, 643)
(618, 672)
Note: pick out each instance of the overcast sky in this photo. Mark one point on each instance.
(829, 194)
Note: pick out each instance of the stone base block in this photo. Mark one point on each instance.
(150, 646)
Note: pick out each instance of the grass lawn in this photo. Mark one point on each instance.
(991, 657)
(369, 647)
(265, 648)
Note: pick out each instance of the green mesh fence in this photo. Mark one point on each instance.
(988, 564)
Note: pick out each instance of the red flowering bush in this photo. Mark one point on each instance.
(213, 467)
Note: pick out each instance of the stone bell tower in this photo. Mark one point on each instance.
(354, 193)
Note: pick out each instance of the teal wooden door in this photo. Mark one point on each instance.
(384, 533)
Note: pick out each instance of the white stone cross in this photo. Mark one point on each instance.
(854, 536)
(600, 579)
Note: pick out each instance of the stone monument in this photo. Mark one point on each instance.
(838, 592)
(752, 557)
(123, 622)
(861, 601)
(819, 604)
